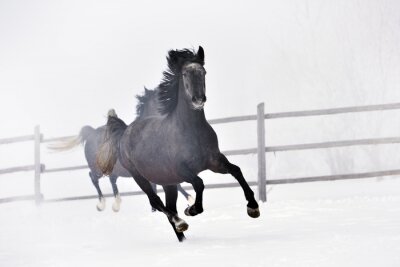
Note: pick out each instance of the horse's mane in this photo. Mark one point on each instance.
(143, 100)
(168, 88)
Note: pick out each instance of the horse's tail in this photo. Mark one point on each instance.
(71, 142)
(107, 154)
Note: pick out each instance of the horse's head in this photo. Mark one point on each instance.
(185, 77)
(193, 80)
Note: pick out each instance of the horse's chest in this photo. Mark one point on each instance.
(194, 151)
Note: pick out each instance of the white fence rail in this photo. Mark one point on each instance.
(261, 149)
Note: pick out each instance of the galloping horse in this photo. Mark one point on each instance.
(175, 147)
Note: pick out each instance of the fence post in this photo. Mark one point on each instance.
(262, 179)
(38, 166)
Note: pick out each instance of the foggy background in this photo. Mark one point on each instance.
(63, 64)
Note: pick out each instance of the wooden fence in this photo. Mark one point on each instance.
(262, 180)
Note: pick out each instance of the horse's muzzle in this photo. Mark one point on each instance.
(203, 99)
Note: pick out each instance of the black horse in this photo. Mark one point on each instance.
(175, 147)
(92, 139)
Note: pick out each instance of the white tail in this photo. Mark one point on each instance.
(66, 144)
(71, 142)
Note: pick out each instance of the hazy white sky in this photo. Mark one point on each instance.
(64, 63)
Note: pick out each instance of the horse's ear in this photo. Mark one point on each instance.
(112, 113)
(200, 54)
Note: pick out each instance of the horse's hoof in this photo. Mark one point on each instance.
(192, 211)
(180, 225)
(101, 205)
(116, 207)
(117, 203)
(253, 213)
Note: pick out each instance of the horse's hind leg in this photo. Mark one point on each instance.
(171, 195)
(117, 202)
(102, 201)
(155, 201)
(188, 197)
(221, 165)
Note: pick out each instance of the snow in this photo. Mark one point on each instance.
(342, 223)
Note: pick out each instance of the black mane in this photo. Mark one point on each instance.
(168, 88)
(143, 100)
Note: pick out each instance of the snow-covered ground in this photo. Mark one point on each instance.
(342, 223)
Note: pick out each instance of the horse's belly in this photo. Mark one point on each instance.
(156, 168)
(160, 176)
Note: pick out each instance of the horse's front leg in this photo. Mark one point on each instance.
(220, 164)
(198, 187)
(188, 197)
(171, 195)
(155, 201)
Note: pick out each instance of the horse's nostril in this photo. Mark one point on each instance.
(201, 98)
